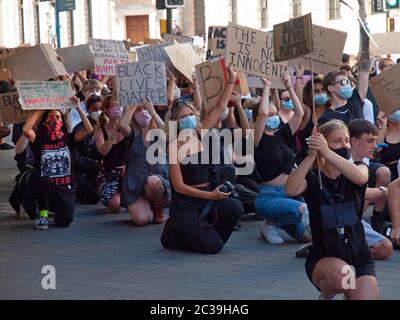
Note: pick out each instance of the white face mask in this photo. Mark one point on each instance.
(177, 93)
(95, 115)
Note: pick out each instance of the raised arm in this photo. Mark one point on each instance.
(295, 121)
(296, 183)
(30, 123)
(196, 94)
(364, 66)
(170, 88)
(263, 111)
(87, 127)
(124, 123)
(150, 108)
(298, 87)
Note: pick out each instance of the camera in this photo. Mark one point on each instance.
(228, 187)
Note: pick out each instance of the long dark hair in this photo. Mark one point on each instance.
(42, 130)
(307, 94)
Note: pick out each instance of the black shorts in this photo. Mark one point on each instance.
(365, 266)
(373, 166)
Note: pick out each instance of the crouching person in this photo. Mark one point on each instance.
(52, 146)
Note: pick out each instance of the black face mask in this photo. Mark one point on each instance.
(343, 152)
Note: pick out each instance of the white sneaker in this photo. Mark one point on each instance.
(285, 236)
(270, 233)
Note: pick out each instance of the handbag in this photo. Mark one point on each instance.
(338, 218)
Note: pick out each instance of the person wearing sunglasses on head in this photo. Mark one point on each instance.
(346, 103)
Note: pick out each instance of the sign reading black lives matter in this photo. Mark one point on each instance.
(252, 51)
(293, 38)
(137, 81)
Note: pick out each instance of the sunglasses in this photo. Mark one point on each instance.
(343, 82)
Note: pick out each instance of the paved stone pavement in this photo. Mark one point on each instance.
(105, 256)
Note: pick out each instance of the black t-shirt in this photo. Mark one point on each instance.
(314, 198)
(273, 156)
(350, 111)
(53, 159)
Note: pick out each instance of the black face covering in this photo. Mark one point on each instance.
(343, 152)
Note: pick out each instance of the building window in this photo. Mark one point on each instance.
(333, 9)
(264, 13)
(296, 8)
(21, 22)
(233, 10)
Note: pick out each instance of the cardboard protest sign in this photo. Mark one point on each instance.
(181, 61)
(328, 46)
(5, 74)
(254, 82)
(386, 89)
(152, 41)
(107, 54)
(180, 39)
(216, 41)
(154, 53)
(10, 108)
(190, 53)
(241, 85)
(6, 52)
(293, 38)
(212, 77)
(35, 63)
(389, 43)
(252, 51)
(139, 80)
(77, 58)
(45, 95)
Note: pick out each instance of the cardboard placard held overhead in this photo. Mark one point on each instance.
(293, 38)
(252, 51)
(181, 60)
(216, 41)
(212, 78)
(180, 39)
(35, 63)
(4, 53)
(154, 53)
(152, 41)
(10, 108)
(389, 43)
(328, 46)
(107, 54)
(45, 95)
(139, 80)
(77, 58)
(386, 89)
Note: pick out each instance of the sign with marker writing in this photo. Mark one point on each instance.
(293, 38)
(4, 53)
(386, 89)
(154, 53)
(216, 41)
(389, 43)
(212, 78)
(181, 60)
(107, 54)
(10, 108)
(140, 80)
(77, 58)
(328, 46)
(34, 95)
(252, 51)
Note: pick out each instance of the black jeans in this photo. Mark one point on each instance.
(87, 190)
(60, 200)
(182, 230)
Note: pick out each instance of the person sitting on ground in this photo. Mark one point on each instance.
(5, 86)
(52, 146)
(145, 192)
(343, 187)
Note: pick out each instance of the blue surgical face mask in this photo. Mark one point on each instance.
(189, 122)
(321, 99)
(249, 114)
(288, 104)
(273, 123)
(395, 117)
(345, 92)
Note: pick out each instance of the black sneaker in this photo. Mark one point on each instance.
(379, 224)
(304, 250)
(6, 146)
(237, 227)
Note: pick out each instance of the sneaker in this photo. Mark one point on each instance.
(6, 146)
(238, 227)
(270, 233)
(42, 223)
(286, 236)
(379, 224)
(304, 250)
(158, 215)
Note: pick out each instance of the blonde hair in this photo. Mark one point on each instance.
(173, 112)
(327, 128)
(91, 84)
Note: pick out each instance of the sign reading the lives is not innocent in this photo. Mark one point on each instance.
(34, 95)
(137, 81)
(107, 54)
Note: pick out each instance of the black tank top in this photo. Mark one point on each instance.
(390, 153)
(118, 154)
(195, 173)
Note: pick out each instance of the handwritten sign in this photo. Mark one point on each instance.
(154, 53)
(107, 54)
(45, 95)
(328, 46)
(252, 51)
(216, 41)
(4, 53)
(386, 89)
(35, 63)
(212, 78)
(180, 39)
(10, 108)
(389, 43)
(139, 80)
(77, 58)
(293, 38)
(181, 60)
